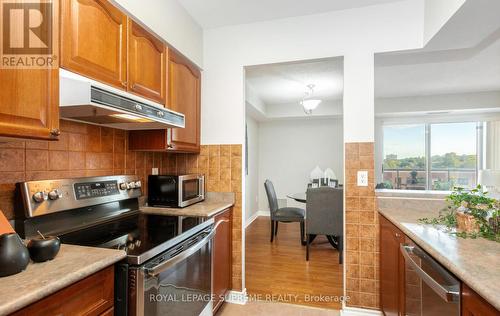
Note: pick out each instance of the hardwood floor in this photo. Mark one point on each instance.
(274, 309)
(279, 270)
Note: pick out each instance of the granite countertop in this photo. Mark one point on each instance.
(39, 280)
(474, 261)
(213, 204)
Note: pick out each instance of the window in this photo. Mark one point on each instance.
(404, 157)
(430, 156)
(453, 155)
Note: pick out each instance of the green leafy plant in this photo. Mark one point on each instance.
(475, 202)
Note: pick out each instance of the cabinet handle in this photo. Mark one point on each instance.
(55, 132)
(124, 83)
(397, 235)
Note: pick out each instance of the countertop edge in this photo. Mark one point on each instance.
(185, 211)
(51, 288)
(461, 274)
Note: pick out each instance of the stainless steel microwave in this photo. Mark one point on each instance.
(175, 190)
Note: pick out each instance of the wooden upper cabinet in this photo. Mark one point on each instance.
(184, 97)
(94, 40)
(29, 98)
(146, 64)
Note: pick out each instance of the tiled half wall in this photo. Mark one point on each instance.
(362, 231)
(88, 150)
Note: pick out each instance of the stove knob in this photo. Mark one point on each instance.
(123, 186)
(138, 242)
(55, 194)
(131, 185)
(138, 184)
(131, 246)
(39, 197)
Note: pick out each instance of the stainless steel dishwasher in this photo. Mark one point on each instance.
(429, 288)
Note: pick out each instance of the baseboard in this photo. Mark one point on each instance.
(254, 217)
(237, 297)
(355, 311)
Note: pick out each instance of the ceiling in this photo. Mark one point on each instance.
(463, 57)
(217, 13)
(286, 82)
(441, 72)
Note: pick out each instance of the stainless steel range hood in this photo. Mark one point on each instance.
(85, 100)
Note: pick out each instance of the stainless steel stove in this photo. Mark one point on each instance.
(167, 256)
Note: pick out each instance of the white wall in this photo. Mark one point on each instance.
(475, 101)
(437, 13)
(168, 19)
(290, 149)
(252, 179)
(358, 33)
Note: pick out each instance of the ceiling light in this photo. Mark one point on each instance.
(308, 103)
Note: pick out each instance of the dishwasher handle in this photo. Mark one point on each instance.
(446, 293)
(154, 271)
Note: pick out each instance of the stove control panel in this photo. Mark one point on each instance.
(50, 196)
(95, 189)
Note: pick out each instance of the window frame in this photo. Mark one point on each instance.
(428, 153)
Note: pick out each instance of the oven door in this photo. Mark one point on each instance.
(430, 290)
(178, 282)
(191, 189)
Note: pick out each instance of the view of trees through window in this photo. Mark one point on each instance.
(408, 148)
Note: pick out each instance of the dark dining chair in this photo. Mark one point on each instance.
(284, 214)
(325, 216)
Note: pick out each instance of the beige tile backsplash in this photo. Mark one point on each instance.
(88, 150)
(362, 231)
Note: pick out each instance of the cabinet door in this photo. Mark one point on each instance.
(184, 97)
(94, 40)
(222, 257)
(91, 296)
(29, 98)
(147, 64)
(475, 305)
(391, 269)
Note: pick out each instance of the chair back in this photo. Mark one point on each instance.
(271, 196)
(325, 211)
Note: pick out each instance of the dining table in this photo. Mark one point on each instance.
(301, 197)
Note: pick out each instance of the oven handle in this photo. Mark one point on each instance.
(154, 271)
(448, 295)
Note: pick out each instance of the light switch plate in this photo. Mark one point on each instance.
(362, 178)
(154, 171)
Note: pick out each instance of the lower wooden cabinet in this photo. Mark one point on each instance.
(92, 296)
(391, 269)
(475, 305)
(222, 257)
(392, 280)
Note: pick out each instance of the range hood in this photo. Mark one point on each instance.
(85, 100)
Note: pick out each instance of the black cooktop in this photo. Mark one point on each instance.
(137, 234)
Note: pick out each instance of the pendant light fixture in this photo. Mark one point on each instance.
(308, 102)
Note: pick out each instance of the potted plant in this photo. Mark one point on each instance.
(470, 213)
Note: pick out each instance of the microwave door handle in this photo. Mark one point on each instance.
(201, 186)
(154, 271)
(443, 292)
